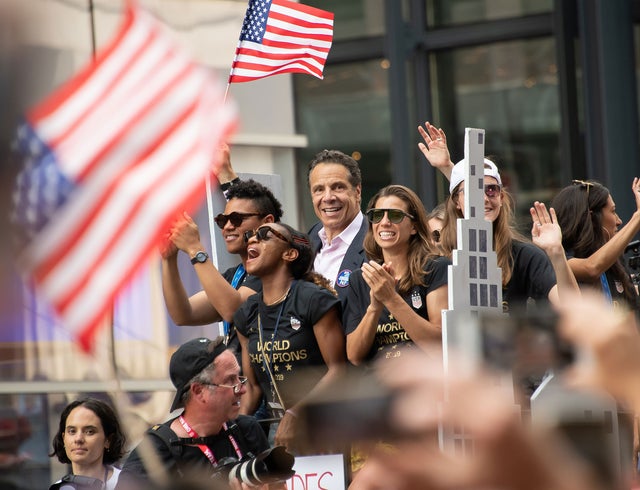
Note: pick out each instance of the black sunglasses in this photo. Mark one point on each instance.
(235, 218)
(262, 234)
(375, 215)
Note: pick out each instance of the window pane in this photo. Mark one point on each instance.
(347, 111)
(450, 12)
(353, 18)
(636, 42)
(511, 90)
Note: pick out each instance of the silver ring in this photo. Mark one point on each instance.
(438, 139)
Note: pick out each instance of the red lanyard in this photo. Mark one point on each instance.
(204, 448)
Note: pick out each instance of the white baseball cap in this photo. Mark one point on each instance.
(458, 173)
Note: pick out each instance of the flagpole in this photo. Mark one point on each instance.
(209, 190)
(212, 231)
(156, 471)
(212, 235)
(92, 20)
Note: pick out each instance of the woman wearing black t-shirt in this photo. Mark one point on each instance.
(291, 335)
(537, 270)
(396, 299)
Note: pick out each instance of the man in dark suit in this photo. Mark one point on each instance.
(335, 184)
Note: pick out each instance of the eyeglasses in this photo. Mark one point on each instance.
(235, 218)
(490, 190)
(262, 233)
(375, 215)
(583, 183)
(242, 380)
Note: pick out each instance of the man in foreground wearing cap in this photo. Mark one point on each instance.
(209, 388)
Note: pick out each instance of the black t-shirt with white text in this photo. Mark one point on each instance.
(282, 340)
(390, 336)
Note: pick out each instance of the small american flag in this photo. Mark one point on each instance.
(280, 36)
(110, 158)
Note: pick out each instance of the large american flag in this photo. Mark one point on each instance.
(110, 158)
(280, 36)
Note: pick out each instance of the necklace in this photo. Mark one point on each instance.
(280, 299)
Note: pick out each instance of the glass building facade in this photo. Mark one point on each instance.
(553, 82)
(528, 72)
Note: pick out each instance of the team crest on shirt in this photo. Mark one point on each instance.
(295, 323)
(343, 278)
(416, 300)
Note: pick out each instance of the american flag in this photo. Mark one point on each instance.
(279, 36)
(110, 158)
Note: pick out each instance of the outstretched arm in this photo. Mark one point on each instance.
(435, 148)
(547, 235)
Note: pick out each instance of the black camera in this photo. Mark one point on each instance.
(271, 466)
(632, 261)
(77, 482)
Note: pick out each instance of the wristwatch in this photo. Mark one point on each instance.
(200, 257)
(226, 185)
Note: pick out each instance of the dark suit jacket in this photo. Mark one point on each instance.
(352, 260)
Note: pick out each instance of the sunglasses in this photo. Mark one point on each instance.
(235, 218)
(375, 215)
(262, 234)
(583, 183)
(490, 190)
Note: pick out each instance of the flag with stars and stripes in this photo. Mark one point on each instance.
(280, 36)
(110, 158)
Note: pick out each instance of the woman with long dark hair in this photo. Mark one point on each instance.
(587, 215)
(291, 335)
(395, 300)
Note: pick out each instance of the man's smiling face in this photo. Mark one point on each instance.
(336, 201)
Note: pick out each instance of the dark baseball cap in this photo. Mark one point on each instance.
(190, 359)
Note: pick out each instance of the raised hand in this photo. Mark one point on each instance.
(185, 234)
(435, 147)
(545, 232)
(636, 191)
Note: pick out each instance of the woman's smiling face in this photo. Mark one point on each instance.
(390, 235)
(492, 205)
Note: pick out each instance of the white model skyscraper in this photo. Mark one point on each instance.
(475, 280)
